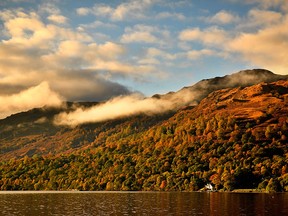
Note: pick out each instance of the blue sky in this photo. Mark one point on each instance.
(95, 50)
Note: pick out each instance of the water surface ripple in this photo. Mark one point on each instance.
(142, 203)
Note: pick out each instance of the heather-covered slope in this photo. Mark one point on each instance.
(234, 138)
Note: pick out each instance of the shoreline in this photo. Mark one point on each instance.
(76, 191)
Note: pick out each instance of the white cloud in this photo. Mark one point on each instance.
(132, 9)
(266, 4)
(68, 59)
(115, 108)
(263, 17)
(139, 36)
(166, 15)
(154, 52)
(155, 56)
(89, 53)
(97, 24)
(83, 11)
(102, 57)
(256, 19)
(139, 33)
(196, 54)
(58, 19)
(124, 106)
(212, 35)
(176, 4)
(223, 17)
(266, 48)
(29, 31)
(145, 34)
(48, 7)
(37, 96)
(259, 39)
(102, 10)
(149, 61)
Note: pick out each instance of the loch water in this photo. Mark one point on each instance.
(142, 203)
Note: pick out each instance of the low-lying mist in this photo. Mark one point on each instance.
(122, 106)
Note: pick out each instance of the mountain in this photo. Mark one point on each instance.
(235, 137)
(243, 78)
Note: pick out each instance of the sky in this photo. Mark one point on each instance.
(66, 50)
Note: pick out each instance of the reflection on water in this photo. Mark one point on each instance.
(142, 203)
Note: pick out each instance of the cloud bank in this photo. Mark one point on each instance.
(69, 60)
(112, 109)
(125, 10)
(266, 47)
(259, 38)
(124, 106)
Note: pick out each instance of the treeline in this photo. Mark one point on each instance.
(182, 154)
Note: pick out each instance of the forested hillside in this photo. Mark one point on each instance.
(234, 138)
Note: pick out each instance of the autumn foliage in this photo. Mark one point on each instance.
(234, 139)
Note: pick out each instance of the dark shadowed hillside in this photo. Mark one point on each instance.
(236, 137)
